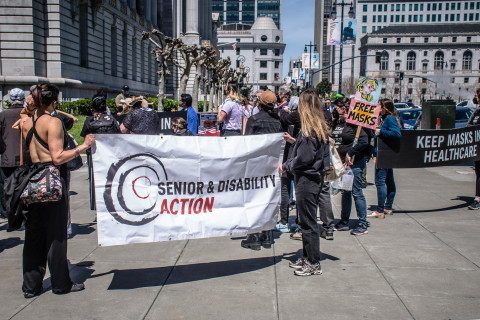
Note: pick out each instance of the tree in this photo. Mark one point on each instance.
(188, 54)
(349, 86)
(206, 57)
(324, 87)
(164, 53)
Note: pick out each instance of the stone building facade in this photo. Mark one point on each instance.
(258, 47)
(441, 60)
(84, 45)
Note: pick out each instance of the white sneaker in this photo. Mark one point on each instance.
(375, 214)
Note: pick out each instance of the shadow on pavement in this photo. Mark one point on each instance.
(159, 276)
(10, 243)
(86, 228)
(466, 201)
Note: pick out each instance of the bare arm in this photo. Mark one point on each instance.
(55, 143)
(123, 129)
(221, 115)
(75, 120)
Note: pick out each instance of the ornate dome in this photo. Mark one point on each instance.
(264, 23)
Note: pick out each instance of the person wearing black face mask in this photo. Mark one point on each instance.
(475, 120)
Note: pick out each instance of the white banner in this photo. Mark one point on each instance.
(160, 188)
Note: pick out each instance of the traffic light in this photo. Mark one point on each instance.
(401, 75)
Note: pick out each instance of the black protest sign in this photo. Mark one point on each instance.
(429, 148)
(165, 120)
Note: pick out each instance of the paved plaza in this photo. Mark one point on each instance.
(421, 263)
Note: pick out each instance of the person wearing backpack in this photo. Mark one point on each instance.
(100, 123)
(387, 129)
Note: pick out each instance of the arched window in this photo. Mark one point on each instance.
(438, 64)
(411, 60)
(384, 61)
(467, 60)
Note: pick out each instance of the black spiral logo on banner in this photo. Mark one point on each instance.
(109, 196)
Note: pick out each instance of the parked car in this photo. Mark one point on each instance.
(408, 117)
(467, 103)
(462, 114)
(401, 105)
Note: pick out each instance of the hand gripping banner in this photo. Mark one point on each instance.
(160, 188)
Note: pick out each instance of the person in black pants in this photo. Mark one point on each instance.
(475, 120)
(308, 162)
(265, 121)
(46, 226)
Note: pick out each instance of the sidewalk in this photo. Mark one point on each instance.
(421, 263)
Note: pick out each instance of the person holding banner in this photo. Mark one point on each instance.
(308, 162)
(192, 117)
(475, 120)
(265, 121)
(387, 129)
(142, 119)
(354, 156)
(231, 112)
(46, 222)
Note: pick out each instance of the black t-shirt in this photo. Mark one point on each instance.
(142, 121)
(100, 123)
(344, 134)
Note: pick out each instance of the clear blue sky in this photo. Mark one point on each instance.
(297, 18)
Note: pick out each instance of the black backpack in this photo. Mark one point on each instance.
(105, 124)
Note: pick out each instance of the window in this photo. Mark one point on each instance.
(424, 80)
(466, 5)
(425, 40)
(452, 80)
(440, 6)
(472, 5)
(263, 64)
(469, 39)
(403, 18)
(454, 39)
(446, 17)
(458, 17)
(277, 64)
(374, 8)
(134, 60)
(374, 18)
(425, 53)
(124, 54)
(396, 90)
(398, 7)
(365, 8)
(385, 7)
(410, 80)
(452, 17)
(421, 7)
(398, 53)
(380, 7)
(453, 66)
(425, 67)
(467, 60)
(384, 61)
(237, 51)
(373, 29)
(384, 40)
(434, 7)
(379, 18)
(83, 34)
(410, 7)
(424, 91)
(416, 6)
(429, 7)
(277, 52)
(403, 7)
(409, 91)
(440, 39)
(399, 40)
(415, 18)
(391, 18)
(453, 5)
(421, 18)
(411, 60)
(465, 80)
(412, 40)
(113, 50)
(396, 80)
(263, 52)
(364, 29)
(263, 76)
(454, 53)
(439, 17)
(364, 19)
(428, 18)
(438, 63)
(397, 66)
(392, 7)
(434, 18)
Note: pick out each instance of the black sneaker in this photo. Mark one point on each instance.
(327, 234)
(342, 227)
(475, 205)
(252, 242)
(29, 295)
(266, 239)
(297, 235)
(75, 288)
(297, 264)
(308, 269)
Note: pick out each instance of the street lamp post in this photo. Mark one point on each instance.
(310, 63)
(351, 14)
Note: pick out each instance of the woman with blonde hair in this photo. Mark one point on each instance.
(231, 112)
(309, 160)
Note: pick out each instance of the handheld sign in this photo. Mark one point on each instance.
(363, 114)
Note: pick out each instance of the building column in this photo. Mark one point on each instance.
(192, 17)
(148, 10)
(154, 12)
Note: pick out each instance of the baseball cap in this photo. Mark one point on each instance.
(17, 94)
(268, 98)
